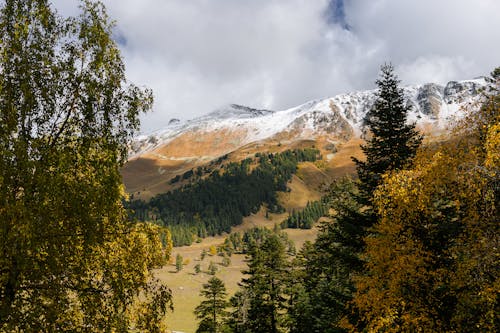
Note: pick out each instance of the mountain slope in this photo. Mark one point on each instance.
(327, 123)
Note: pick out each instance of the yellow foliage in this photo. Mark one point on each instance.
(493, 147)
(436, 240)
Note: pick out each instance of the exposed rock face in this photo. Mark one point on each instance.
(459, 92)
(430, 99)
(318, 122)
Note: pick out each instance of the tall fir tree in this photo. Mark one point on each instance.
(212, 310)
(433, 265)
(393, 141)
(336, 254)
(266, 286)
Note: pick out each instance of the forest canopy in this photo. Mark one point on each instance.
(213, 205)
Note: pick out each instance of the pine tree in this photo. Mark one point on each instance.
(324, 268)
(212, 268)
(434, 261)
(266, 286)
(394, 142)
(336, 254)
(240, 302)
(178, 262)
(212, 310)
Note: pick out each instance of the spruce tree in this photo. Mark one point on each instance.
(336, 254)
(179, 264)
(394, 142)
(212, 310)
(266, 286)
(212, 268)
(324, 288)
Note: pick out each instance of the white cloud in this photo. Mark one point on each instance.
(438, 69)
(431, 40)
(200, 54)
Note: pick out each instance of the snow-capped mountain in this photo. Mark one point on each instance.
(338, 117)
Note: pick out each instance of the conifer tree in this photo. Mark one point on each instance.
(212, 310)
(434, 261)
(394, 142)
(179, 264)
(324, 268)
(240, 302)
(336, 254)
(266, 286)
(212, 268)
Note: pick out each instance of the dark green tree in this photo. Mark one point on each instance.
(336, 254)
(212, 310)
(179, 264)
(393, 142)
(237, 321)
(324, 268)
(432, 264)
(266, 286)
(212, 268)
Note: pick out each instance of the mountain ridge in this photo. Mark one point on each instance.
(330, 124)
(432, 104)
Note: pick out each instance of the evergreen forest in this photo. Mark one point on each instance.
(214, 204)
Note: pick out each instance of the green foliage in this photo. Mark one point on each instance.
(179, 264)
(322, 277)
(305, 218)
(213, 205)
(226, 261)
(69, 259)
(212, 268)
(432, 261)
(243, 244)
(266, 287)
(197, 268)
(393, 143)
(212, 310)
(326, 267)
(240, 303)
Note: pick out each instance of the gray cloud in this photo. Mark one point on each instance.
(198, 55)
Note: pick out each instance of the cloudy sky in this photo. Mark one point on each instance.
(198, 55)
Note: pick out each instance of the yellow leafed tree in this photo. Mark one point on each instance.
(433, 257)
(69, 259)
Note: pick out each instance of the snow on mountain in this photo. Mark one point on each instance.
(339, 116)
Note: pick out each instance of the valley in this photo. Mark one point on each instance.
(165, 160)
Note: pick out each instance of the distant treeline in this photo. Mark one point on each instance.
(252, 238)
(216, 203)
(304, 219)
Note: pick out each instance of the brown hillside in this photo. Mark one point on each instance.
(150, 174)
